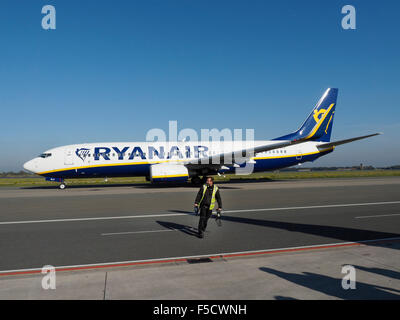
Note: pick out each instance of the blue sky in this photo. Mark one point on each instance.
(112, 70)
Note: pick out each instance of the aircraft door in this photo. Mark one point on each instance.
(68, 157)
(299, 155)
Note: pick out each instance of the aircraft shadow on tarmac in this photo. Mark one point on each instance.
(180, 227)
(133, 185)
(83, 186)
(383, 272)
(333, 287)
(221, 184)
(177, 185)
(334, 232)
(284, 298)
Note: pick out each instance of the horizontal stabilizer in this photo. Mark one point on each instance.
(337, 143)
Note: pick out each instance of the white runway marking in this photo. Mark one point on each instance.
(318, 207)
(186, 213)
(133, 232)
(378, 216)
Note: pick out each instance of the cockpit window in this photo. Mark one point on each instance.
(45, 155)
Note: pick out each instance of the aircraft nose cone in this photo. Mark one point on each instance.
(29, 166)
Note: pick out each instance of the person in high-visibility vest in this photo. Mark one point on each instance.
(205, 203)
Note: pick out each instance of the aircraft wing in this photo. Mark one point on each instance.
(339, 142)
(245, 153)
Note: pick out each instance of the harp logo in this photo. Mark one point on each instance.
(82, 153)
(319, 114)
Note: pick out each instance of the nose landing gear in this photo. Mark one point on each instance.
(62, 186)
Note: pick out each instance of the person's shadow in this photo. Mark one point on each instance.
(333, 287)
(180, 227)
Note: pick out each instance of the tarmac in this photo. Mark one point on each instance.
(278, 240)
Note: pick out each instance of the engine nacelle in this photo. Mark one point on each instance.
(165, 172)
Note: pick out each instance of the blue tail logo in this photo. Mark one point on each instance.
(318, 125)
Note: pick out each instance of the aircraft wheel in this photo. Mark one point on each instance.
(62, 186)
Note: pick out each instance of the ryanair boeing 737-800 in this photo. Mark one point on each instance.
(180, 161)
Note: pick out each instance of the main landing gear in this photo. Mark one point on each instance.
(197, 181)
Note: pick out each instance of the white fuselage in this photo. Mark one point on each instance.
(135, 158)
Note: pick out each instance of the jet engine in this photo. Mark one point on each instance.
(165, 172)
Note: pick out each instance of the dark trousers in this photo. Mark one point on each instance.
(205, 214)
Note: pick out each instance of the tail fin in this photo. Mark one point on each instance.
(318, 125)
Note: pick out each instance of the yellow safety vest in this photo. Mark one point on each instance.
(215, 189)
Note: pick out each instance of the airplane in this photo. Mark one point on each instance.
(181, 161)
